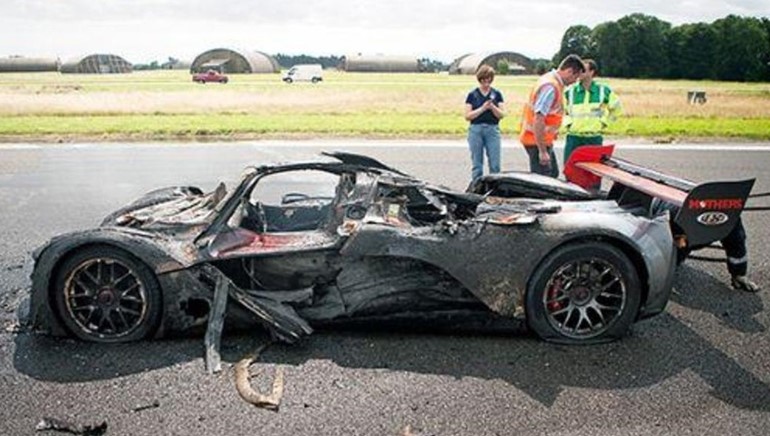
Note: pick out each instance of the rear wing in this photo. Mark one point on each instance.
(705, 212)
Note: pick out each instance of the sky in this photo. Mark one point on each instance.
(145, 30)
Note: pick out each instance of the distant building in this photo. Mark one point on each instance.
(226, 60)
(96, 64)
(176, 64)
(20, 64)
(469, 63)
(380, 63)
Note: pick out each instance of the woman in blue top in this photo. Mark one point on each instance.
(484, 109)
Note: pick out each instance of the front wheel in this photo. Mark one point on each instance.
(582, 294)
(104, 294)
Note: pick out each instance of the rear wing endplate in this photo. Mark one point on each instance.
(706, 212)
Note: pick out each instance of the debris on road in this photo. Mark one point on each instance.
(407, 431)
(13, 327)
(68, 427)
(155, 404)
(245, 390)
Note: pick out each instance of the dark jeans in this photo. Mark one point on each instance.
(534, 163)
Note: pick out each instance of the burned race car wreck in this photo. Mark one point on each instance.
(306, 244)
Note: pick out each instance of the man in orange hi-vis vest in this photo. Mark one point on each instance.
(543, 113)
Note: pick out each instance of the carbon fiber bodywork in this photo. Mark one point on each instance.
(385, 246)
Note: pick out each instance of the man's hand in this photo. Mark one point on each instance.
(542, 148)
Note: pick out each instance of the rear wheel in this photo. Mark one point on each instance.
(103, 294)
(583, 293)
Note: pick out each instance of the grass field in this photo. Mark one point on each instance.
(166, 104)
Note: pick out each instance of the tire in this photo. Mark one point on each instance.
(315, 80)
(288, 80)
(583, 293)
(223, 81)
(104, 294)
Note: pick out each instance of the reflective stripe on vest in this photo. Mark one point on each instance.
(588, 117)
(552, 119)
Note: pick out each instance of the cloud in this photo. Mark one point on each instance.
(143, 30)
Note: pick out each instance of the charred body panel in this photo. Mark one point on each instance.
(380, 244)
(495, 261)
(642, 233)
(514, 184)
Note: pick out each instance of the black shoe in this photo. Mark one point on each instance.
(742, 283)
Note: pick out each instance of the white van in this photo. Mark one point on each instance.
(304, 72)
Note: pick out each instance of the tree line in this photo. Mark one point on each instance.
(732, 48)
(287, 61)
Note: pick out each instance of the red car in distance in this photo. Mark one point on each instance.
(209, 76)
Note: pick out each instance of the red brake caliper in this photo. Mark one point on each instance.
(553, 292)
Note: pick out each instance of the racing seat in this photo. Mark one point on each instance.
(288, 218)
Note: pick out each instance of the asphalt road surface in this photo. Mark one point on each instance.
(702, 367)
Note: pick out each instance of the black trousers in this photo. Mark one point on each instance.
(735, 248)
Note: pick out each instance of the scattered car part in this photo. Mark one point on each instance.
(154, 405)
(243, 383)
(68, 427)
(215, 325)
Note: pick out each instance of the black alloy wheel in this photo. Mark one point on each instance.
(583, 293)
(103, 294)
